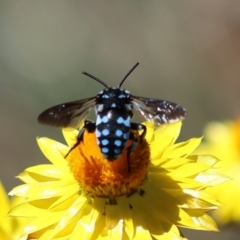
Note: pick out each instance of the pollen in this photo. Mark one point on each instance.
(104, 178)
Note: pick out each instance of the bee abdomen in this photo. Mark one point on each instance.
(112, 130)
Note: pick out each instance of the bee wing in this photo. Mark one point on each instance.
(67, 114)
(158, 111)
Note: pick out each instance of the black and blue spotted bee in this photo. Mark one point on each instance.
(114, 110)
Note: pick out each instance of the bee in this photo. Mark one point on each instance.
(114, 111)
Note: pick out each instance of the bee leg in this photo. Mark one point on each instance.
(138, 126)
(90, 126)
(131, 148)
(79, 139)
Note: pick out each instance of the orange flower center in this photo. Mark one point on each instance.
(105, 178)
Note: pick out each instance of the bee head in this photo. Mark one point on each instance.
(114, 98)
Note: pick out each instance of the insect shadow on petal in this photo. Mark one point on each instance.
(114, 111)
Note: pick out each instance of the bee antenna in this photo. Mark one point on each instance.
(130, 71)
(96, 79)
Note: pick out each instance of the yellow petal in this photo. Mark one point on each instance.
(205, 159)
(164, 137)
(164, 181)
(99, 230)
(88, 221)
(143, 205)
(70, 196)
(194, 199)
(25, 210)
(4, 202)
(26, 178)
(182, 149)
(202, 221)
(211, 177)
(150, 131)
(48, 171)
(5, 223)
(73, 211)
(174, 163)
(47, 190)
(167, 133)
(20, 191)
(126, 213)
(114, 222)
(53, 150)
(140, 226)
(189, 170)
(78, 231)
(42, 221)
(166, 205)
(70, 135)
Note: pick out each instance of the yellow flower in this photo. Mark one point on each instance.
(223, 140)
(10, 228)
(85, 196)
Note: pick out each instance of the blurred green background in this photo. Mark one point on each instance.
(189, 53)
